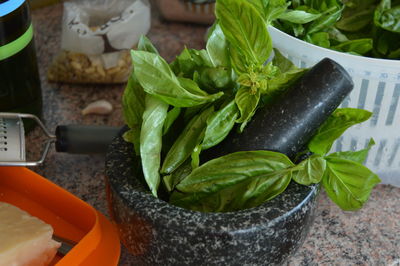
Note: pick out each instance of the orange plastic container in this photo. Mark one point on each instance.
(97, 239)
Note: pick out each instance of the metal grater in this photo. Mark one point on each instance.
(12, 140)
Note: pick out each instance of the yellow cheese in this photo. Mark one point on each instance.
(24, 240)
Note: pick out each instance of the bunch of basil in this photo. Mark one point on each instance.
(175, 111)
(361, 27)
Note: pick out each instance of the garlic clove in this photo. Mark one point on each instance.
(101, 107)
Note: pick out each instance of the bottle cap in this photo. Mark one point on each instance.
(8, 6)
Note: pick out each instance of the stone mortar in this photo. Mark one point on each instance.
(157, 233)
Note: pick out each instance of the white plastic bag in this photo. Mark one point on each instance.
(96, 38)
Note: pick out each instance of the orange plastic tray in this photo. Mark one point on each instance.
(97, 239)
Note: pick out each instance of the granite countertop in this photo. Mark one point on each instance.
(370, 236)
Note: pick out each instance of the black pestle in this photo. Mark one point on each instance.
(287, 124)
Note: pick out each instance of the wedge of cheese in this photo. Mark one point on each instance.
(24, 240)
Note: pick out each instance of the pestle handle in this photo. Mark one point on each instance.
(288, 124)
(84, 139)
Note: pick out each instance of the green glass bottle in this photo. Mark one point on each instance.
(19, 77)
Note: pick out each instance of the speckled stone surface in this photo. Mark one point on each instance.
(158, 233)
(370, 236)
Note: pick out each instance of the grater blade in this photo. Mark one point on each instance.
(12, 140)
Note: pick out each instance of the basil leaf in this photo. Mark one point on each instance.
(299, 16)
(145, 44)
(237, 62)
(219, 124)
(319, 38)
(283, 64)
(157, 79)
(274, 8)
(360, 46)
(189, 61)
(288, 74)
(172, 115)
(336, 35)
(182, 148)
(235, 181)
(270, 9)
(151, 140)
(357, 156)
(312, 172)
(217, 48)
(170, 181)
(244, 28)
(191, 86)
(247, 104)
(387, 18)
(215, 79)
(395, 54)
(355, 19)
(133, 108)
(340, 120)
(195, 156)
(129, 136)
(325, 21)
(348, 183)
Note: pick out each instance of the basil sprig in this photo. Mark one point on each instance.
(177, 110)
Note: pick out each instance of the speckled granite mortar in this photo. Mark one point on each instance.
(158, 233)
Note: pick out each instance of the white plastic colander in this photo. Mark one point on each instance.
(376, 88)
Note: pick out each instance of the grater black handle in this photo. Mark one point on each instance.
(83, 139)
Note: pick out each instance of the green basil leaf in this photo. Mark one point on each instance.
(195, 156)
(355, 19)
(288, 74)
(217, 48)
(312, 172)
(244, 28)
(385, 43)
(237, 62)
(348, 183)
(215, 79)
(183, 147)
(157, 79)
(336, 35)
(145, 44)
(273, 9)
(151, 140)
(357, 156)
(191, 86)
(388, 18)
(283, 64)
(133, 108)
(270, 9)
(395, 54)
(319, 38)
(299, 16)
(235, 181)
(170, 181)
(172, 115)
(325, 21)
(360, 46)
(247, 104)
(191, 60)
(219, 124)
(129, 136)
(340, 120)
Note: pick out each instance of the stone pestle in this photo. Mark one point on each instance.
(288, 123)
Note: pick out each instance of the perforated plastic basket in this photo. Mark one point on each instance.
(376, 88)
